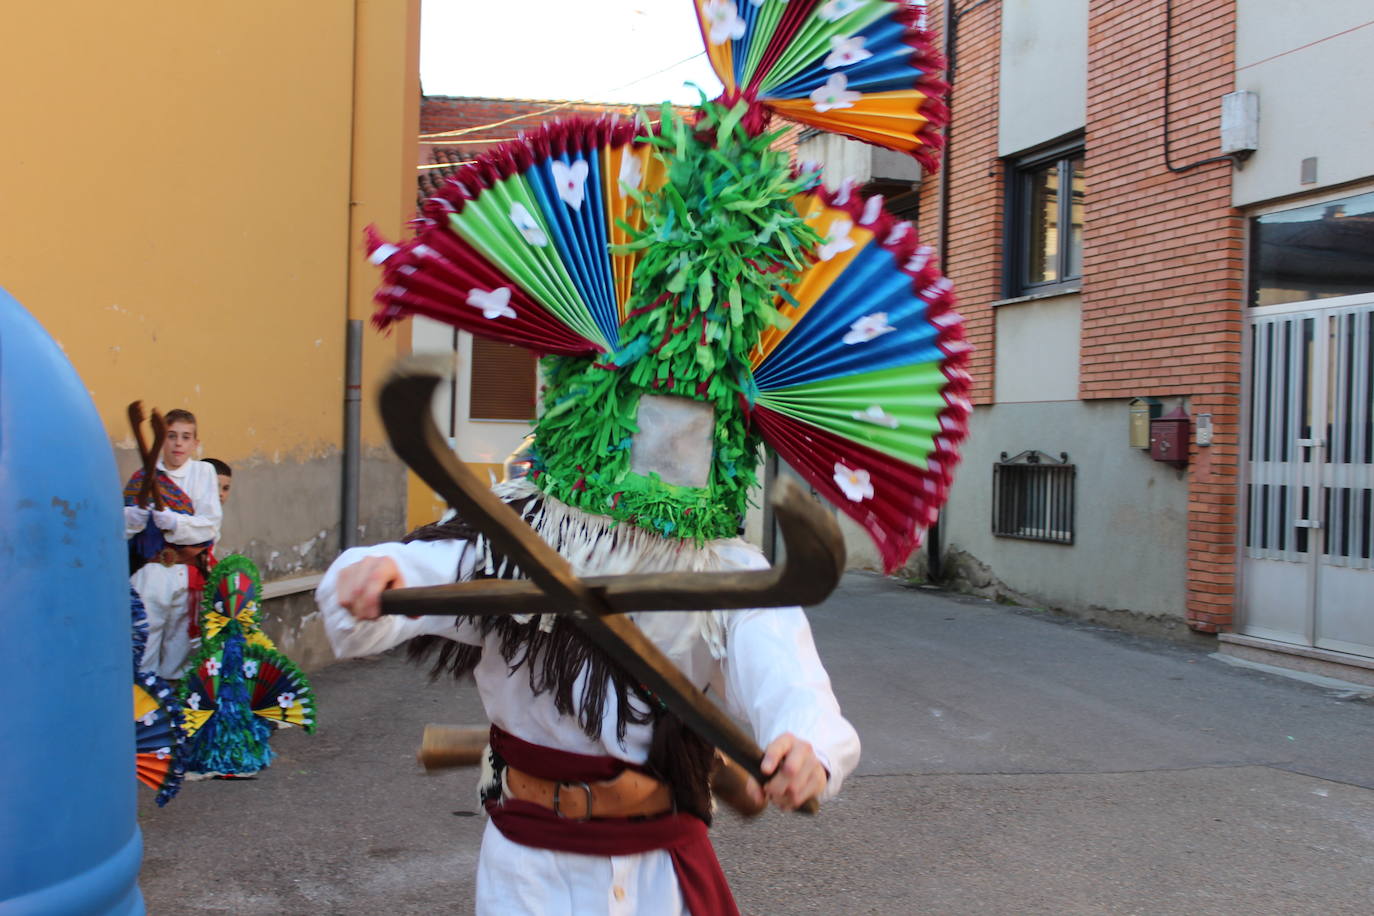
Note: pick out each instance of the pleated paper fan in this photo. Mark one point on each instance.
(517, 245)
(862, 68)
(159, 737)
(199, 690)
(849, 362)
(278, 690)
(233, 594)
(864, 394)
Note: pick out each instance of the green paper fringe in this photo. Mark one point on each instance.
(721, 241)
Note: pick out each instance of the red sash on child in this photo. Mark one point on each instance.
(683, 836)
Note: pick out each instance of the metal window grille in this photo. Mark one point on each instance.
(1033, 497)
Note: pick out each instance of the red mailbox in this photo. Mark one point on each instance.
(1169, 438)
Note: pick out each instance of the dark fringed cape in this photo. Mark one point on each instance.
(555, 657)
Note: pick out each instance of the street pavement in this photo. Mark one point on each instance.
(1014, 763)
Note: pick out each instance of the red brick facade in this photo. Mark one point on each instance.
(972, 250)
(1163, 251)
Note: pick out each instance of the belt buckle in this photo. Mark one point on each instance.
(557, 788)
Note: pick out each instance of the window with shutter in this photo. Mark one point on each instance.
(504, 381)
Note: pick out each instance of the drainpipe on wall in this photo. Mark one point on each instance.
(353, 422)
(935, 570)
(353, 347)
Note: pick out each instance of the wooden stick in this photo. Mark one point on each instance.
(149, 469)
(812, 568)
(447, 746)
(406, 412)
(159, 437)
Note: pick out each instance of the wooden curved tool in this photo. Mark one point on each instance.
(148, 490)
(813, 564)
(407, 414)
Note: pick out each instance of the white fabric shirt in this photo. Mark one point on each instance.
(760, 665)
(200, 482)
(164, 592)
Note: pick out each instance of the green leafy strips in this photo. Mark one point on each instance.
(719, 242)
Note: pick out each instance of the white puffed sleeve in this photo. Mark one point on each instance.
(420, 563)
(203, 488)
(774, 680)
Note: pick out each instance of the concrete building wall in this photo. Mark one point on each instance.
(1312, 65)
(185, 188)
(841, 158)
(1044, 60)
(1158, 314)
(482, 444)
(1040, 361)
(1127, 556)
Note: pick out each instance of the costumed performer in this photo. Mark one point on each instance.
(694, 296)
(170, 581)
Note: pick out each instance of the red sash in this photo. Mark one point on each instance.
(683, 836)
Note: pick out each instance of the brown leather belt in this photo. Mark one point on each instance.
(631, 794)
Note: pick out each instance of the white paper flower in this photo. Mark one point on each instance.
(494, 304)
(528, 226)
(918, 260)
(834, 94)
(149, 719)
(212, 667)
(877, 416)
(899, 231)
(853, 483)
(724, 21)
(162, 753)
(846, 51)
(836, 239)
(286, 700)
(250, 667)
(571, 180)
(193, 701)
(867, 328)
(383, 254)
(872, 208)
(631, 173)
(834, 10)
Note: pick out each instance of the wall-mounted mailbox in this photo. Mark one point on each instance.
(1169, 438)
(1143, 410)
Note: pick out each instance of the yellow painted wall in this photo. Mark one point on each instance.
(176, 199)
(182, 196)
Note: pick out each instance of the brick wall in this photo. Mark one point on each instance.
(1164, 255)
(972, 250)
(1163, 251)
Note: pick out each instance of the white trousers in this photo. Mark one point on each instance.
(164, 593)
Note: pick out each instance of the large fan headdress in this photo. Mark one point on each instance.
(692, 262)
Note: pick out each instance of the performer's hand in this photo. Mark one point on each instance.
(135, 517)
(797, 773)
(361, 585)
(165, 519)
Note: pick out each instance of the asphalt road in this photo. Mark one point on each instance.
(1013, 763)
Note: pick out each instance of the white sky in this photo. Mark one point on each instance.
(564, 49)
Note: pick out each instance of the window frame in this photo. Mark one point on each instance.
(503, 363)
(1017, 232)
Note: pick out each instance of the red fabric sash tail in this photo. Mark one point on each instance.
(683, 836)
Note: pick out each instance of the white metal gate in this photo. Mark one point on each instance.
(1307, 572)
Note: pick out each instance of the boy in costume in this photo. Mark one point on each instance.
(695, 297)
(169, 582)
(225, 475)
